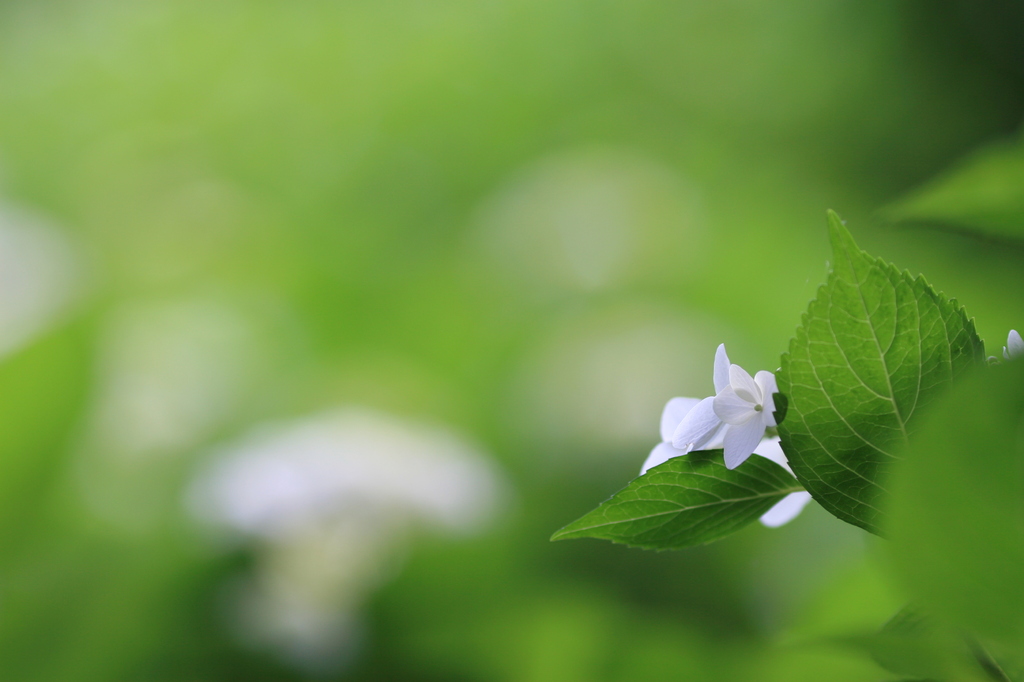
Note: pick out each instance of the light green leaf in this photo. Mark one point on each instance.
(874, 348)
(957, 513)
(686, 501)
(984, 193)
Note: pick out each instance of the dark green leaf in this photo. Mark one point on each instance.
(873, 349)
(686, 501)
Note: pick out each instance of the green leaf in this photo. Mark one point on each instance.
(686, 501)
(915, 643)
(957, 513)
(984, 193)
(874, 348)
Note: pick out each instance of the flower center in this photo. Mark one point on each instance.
(758, 408)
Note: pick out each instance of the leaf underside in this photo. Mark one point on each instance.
(687, 501)
(873, 349)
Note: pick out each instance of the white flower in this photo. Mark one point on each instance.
(699, 425)
(786, 509)
(746, 405)
(330, 503)
(734, 419)
(1014, 345)
(674, 412)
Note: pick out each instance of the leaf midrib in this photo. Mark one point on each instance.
(878, 345)
(732, 500)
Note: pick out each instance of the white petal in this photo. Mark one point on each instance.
(714, 440)
(766, 382)
(697, 426)
(721, 369)
(661, 453)
(743, 384)
(1014, 344)
(786, 509)
(771, 448)
(731, 408)
(674, 411)
(741, 440)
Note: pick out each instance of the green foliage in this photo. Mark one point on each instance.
(43, 390)
(917, 644)
(686, 501)
(873, 349)
(957, 513)
(984, 194)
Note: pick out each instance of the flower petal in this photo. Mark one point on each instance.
(1014, 345)
(731, 408)
(766, 382)
(721, 369)
(697, 426)
(741, 440)
(786, 509)
(674, 411)
(771, 448)
(714, 440)
(743, 384)
(661, 453)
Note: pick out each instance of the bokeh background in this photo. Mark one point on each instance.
(317, 318)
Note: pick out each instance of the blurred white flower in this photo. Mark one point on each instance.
(1014, 345)
(40, 275)
(284, 477)
(329, 502)
(170, 373)
(790, 506)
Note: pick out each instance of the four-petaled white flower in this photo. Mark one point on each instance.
(1014, 345)
(734, 419)
(737, 416)
(747, 407)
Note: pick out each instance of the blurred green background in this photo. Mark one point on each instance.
(318, 318)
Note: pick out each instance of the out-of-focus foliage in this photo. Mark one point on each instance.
(983, 194)
(958, 505)
(525, 223)
(919, 645)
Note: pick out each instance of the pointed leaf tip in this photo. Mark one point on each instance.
(844, 249)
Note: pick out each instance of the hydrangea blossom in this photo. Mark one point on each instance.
(738, 415)
(1014, 345)
(743, 406)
